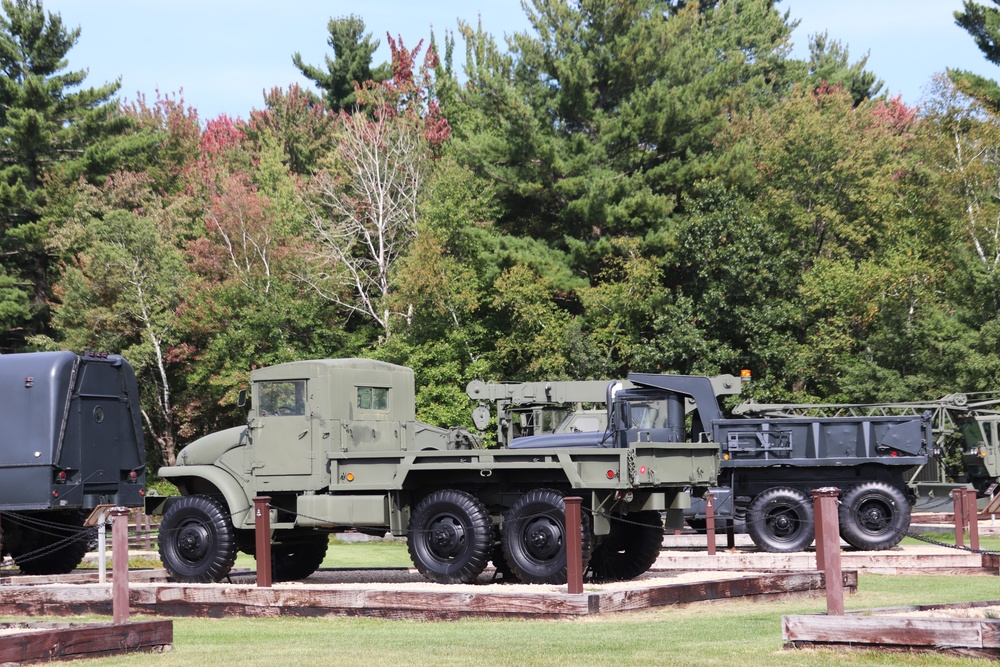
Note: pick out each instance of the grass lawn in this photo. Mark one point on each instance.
(719, 633)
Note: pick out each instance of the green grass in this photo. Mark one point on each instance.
(986, 542)
(710, 634)
(385, 553)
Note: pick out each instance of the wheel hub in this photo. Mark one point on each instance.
(543, 539)
(192, 542)
(446, 538)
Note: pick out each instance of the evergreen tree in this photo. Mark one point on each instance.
(983, 24)
(351, 63)
(829, 64)
(50, 130)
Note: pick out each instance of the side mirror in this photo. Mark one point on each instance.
(242, 400)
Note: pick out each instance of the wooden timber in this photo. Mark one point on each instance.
(895, 630)
(26, 643)
(437, 603)
(909, 560)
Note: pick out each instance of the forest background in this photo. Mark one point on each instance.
(629, 186)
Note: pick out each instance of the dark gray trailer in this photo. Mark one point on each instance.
(71, 439)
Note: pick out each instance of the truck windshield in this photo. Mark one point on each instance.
(284, 398)
(648, 414)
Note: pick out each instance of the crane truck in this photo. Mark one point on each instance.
(768, 466)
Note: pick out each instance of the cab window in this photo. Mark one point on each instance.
(284, 398)
(373, 398)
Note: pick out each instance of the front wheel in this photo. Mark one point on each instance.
(450, 537)
(781, 520)
(197, 540)
(874, 516)
(533, 538)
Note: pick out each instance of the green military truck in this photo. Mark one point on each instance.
(71, 440)
(336, 446)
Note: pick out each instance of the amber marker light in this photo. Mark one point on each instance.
(349, 477)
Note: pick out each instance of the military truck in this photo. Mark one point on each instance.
(768, 466)
(71, 440)
(335, 445)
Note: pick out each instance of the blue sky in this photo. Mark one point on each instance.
(224, 53)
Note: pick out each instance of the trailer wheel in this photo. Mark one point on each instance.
(874, 516)
(533, 537)
(450, 537)
(197, 540)
(56, 546)
(781, 520)
(297, 557)
(630, 549)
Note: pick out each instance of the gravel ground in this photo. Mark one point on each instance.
(409, 579)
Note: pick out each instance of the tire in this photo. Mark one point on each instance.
(533, 538)
(55, 546)
(503, 571)
(298, 557)
(630, 549)
(197, 540)
(781, 520)
(874, 516)
(450, 537)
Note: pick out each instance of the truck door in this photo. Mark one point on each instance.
(282, 440)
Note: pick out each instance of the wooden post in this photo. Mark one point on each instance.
(958, 499)
(828, 545)
(262, 528)
(818, 529)
(574, 546)
(119, 565)
(710, 522)
(146, 528)
(972, 518)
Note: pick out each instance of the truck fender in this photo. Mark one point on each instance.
(234, 493)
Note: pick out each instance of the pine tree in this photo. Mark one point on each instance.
(50, 130)
(828, 64)
(351, 63)
(983, 23)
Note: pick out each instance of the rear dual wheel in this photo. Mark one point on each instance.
(533, 538)
(631, 548)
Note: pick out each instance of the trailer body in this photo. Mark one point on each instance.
(71, 441)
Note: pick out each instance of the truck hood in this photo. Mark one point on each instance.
(207, 450)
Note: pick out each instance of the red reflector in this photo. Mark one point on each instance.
(62, 474)
(55, 494)
(611, 474)
(642, 470)
(142, 492)
(895, 454)
(132, 475)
